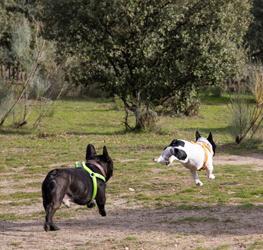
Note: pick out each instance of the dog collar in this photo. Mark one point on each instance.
(95, 163)
(93, 176)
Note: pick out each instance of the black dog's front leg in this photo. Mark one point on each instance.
(101, 199)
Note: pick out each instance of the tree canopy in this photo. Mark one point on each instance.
(146, 51)
(27, 62)
(255, 33)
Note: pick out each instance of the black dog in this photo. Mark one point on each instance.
(76, 185)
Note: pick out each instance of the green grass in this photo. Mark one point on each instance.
(28, 155)
(223, 247)
(201, 248)
(17, 217)
(257, 245)
(15, 244)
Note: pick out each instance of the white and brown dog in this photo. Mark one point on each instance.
(195, 156)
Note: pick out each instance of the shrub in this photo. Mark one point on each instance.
(246, 117)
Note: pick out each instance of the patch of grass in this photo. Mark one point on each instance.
(18, 203)
(247, 205)
(17, 217)
(201, 248)
(10, 217)
(15, 244)
(24, 195)
(130, 242)
(233, 184)
(34, 184)
(62, 139)
(257, 245)
(130, 238)
(223, 247)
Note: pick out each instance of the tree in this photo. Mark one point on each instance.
(146, 52)
(27, 63)
(255, 33)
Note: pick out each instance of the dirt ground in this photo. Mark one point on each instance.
(125, 227)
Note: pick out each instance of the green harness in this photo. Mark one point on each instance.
(93, 176)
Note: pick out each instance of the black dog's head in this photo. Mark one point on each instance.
(104, 159)
(209, 139)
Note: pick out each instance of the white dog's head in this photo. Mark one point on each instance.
(165, 157)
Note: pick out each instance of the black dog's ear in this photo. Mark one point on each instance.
(197, 135)
(90, 152)
(105, 152)
(210, 137)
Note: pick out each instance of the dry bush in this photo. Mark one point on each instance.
(247, 117)
(43, 82)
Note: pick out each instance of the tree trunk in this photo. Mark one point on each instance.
(145, 118)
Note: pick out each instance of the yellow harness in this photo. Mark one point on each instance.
(207, 150)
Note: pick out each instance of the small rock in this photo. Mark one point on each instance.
(131, 189)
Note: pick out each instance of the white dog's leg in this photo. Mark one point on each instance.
(171, 160)
(196, 178)
(210, 172)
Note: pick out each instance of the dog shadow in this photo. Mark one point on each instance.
(207, 221)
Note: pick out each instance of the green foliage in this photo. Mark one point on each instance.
(215, 91)
(182, 103)
(255, 34)
(210, 34)
(247, 117)
(21, 39)
(12, 14)
(28, 64)
(146, 51)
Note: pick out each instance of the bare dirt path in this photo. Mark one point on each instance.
(214, 227)
(252, 159)
(140, 228)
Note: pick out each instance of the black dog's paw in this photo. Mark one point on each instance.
(53, 227)
(46, 227)
(91, 204)
(102, 212)
(50, 227)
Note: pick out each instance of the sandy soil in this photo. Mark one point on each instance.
(252, 159)
(218, 227)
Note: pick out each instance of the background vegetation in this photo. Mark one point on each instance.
(140, 50)
(172, 67)
(155, 57)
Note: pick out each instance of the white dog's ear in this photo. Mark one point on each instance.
(210, 137)
(197, 135)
